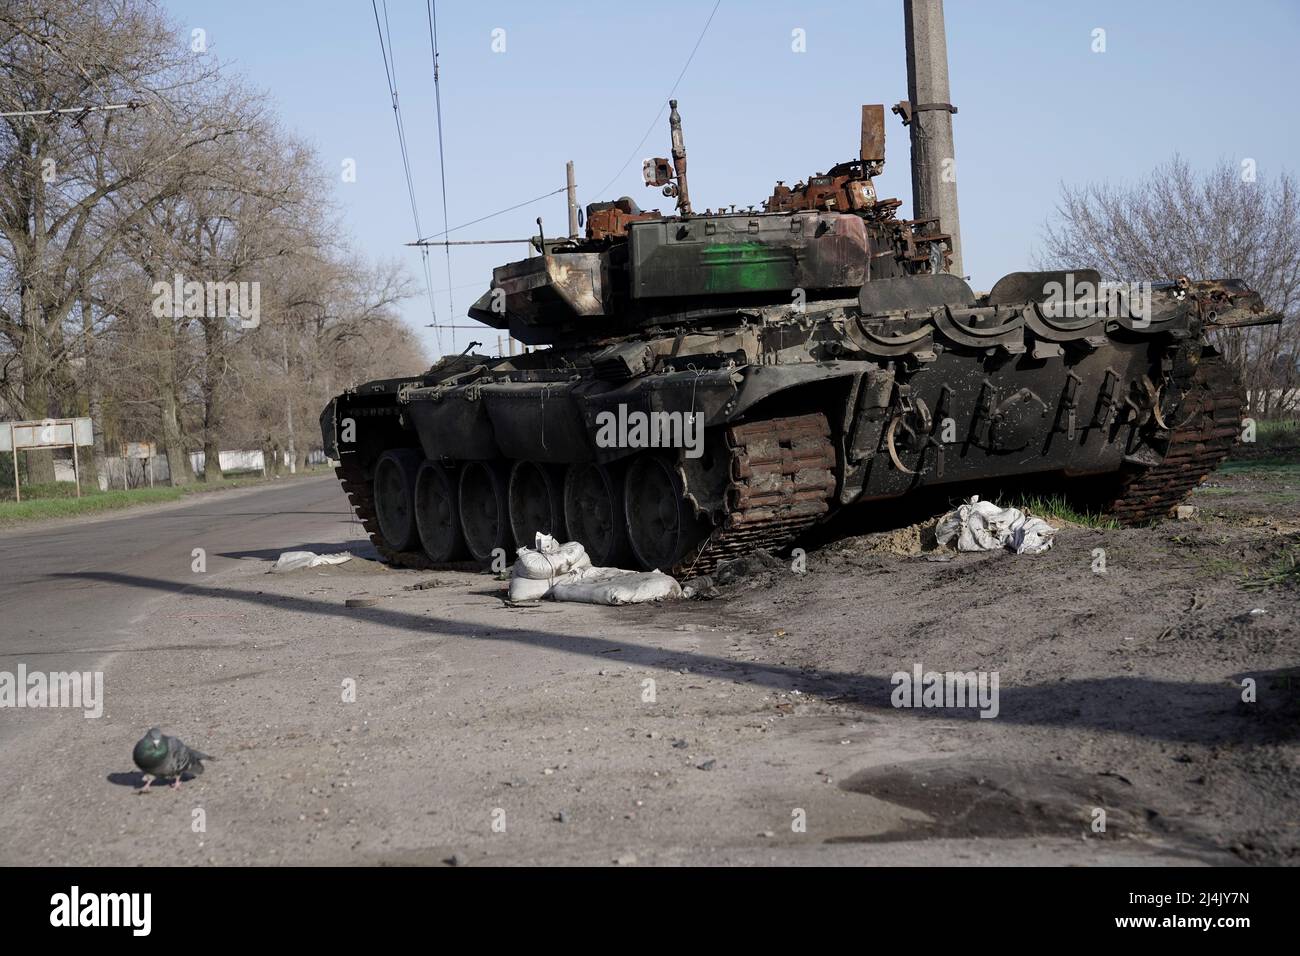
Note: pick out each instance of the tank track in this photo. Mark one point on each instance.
(782, 479)
(1210, 416)
(361, 495)
(782, 476)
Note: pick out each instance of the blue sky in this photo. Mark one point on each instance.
(582, 80)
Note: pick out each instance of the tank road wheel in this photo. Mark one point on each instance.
(394, 498)
(484, 510)
(661, 524)
(593, 511)
(536, 502)
(437, 515)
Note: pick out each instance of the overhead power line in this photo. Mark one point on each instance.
(493, 215)
(390, 74)
(431, 9)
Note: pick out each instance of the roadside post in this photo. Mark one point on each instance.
(13, 448)
(48, 433)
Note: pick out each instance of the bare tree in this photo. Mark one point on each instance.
(59, 171)
(138, 164)
(1228, 222)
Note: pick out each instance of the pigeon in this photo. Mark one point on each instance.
(161, 756)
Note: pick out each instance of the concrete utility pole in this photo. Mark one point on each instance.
(934, 169)
(573, 200)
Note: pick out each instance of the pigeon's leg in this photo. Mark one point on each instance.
(147, 781)
(176, 784)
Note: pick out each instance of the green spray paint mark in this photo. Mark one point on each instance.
(746, 266)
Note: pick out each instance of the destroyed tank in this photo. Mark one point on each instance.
(698, 385)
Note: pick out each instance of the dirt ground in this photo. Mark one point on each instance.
(753, 727)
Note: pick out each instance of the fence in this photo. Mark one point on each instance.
(133, 472)
(233, 462)
(120, 472)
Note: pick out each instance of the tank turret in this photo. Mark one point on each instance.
(824, 237)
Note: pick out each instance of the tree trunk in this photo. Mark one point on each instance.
(211, 458)
(36, 386)
(178, 465)
(94, 396)
(288, 400)
(213, 355)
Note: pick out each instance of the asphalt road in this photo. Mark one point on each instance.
(60, 607)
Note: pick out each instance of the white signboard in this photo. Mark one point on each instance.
(50, 433)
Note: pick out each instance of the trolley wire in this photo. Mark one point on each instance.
(663, 104)
(390, 74)
(431, 9)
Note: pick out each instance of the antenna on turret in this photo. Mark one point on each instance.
(662, 172)
(679, 159)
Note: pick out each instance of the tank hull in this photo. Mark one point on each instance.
(764, 422)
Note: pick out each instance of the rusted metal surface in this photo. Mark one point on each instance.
(1209, 419)
(782, 481)
(833, 192)
(681, 190)
(610, 220)
(873, 134)
(1228, 303)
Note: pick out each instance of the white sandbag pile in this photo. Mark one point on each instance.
(563, 572)
(983, 526)
(539, 567)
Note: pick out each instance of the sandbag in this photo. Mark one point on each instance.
(548, 559)
(614, 586)
(984, 526)
(293, 560)
(564, 573)
(527, 589)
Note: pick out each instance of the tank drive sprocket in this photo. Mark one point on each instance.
(1207, 424)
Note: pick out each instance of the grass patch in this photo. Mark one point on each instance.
(1062, 509)
(1237, 466)
(1275, 443)
(12, 512)
(1277, 432)
(1217, 566)
(50, 489)
(58, 499)
(1285, 572)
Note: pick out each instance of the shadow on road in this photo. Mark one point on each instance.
(134, 779)
(270, 554)
(1182, 711)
